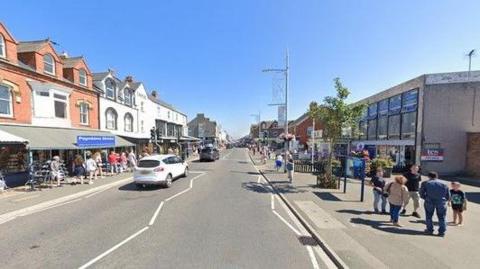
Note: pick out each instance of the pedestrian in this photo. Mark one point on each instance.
(458, 201)
(397, 197)
(78, 169)
(92, 168)
(413, 185)
(132, 160)
(112, 161)
(378, 184)
(278, 162)
(98, 159)
(55, 170)
(290, 168)
(118, 166)
(123, 162)
(436, 195)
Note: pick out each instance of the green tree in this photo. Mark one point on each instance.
(335, 115)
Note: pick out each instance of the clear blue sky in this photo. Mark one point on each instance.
(206, 56)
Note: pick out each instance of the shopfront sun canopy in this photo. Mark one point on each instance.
(44, 138)
(8, 138)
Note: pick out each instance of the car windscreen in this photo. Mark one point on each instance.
(148, 163)
(207, 150)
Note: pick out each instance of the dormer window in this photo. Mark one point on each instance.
(128, 97)
(2, 47)
(82, 77)
(48, 64)
(110, 88)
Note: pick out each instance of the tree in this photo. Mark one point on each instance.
(335, 115)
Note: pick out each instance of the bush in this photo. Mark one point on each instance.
(385, 163)
(325, 182)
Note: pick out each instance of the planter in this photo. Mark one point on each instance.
(327, 183)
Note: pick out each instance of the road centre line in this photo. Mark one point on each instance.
(178, 194)
(99, 257)
(152, 220)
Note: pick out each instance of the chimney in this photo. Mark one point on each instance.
(154, 94)
(129, 79)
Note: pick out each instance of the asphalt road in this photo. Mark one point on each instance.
(221, 216)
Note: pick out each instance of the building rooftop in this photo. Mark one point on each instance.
(29, 46)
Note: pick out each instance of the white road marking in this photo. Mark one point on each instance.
(26, 198)
(152, 220)
(95, 193)
(99, 257)
(272, 201)
(287, 223)
(312, 257)
(258, 179)
(225, 156)
(176, 195)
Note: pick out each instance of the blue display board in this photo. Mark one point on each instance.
(383, 107)
(84, 141)
(372, 111)
(395, 105)
(409, 102)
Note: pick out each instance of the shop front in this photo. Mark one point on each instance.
(13, 158)
(67, 143)
(401, 152)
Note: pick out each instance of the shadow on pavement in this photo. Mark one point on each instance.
(287, 188)
(255, 187)
(243, 162)
(473, 197)
(307, 241)
(385, 226)
(248, 173)
(355, 212)
(132, 187)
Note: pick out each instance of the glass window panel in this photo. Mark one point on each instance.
(362, 130)
(4, 92)
(372, 129)
(409, 121)
(60, 109)
(4, 107)
(394, 127)
(382, 127)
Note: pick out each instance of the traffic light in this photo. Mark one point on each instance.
(157, 132)
(152, 134)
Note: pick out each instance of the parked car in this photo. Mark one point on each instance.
(209, 154)
(159, 170)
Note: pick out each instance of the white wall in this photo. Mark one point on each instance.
(43, 108)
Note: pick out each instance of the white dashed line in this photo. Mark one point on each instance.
(152, 220)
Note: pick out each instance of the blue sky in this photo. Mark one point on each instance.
(207, 56)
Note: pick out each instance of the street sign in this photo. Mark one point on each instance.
(432, 155)
(95, 141)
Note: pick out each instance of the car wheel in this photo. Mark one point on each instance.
(185, 173)
(168, 181)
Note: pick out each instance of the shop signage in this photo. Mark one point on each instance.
(409, 101)
(372, 111)
(432, 155)
(95, 141)
(383, 107)
(395, 105)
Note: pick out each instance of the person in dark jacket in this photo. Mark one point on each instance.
(378, 184)
(436, 195)
(413, 185)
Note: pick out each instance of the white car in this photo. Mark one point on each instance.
(159, 170)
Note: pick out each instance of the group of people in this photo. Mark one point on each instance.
(94, 166)
(436, 195)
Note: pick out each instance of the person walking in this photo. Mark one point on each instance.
(123, 162)
(132, 160)
(278, 162)
(458, 202)
(436, 195)
(78, 169)
(55, 170)
(413, 185)
(290, 168)
(92, 167)
(98, 159)
(112, 160)
(378, 184)
(397, 197)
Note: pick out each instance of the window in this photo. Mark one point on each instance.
(141, 107)
(49, 64)
(5, 101)
(382, 128)
(141, 126)
(60, 104)
(110, 88)
(84, 113)
(128, 97)
(82, 77)
(372, 129)
(2, 47)
(362, 130)
(409, 121)
(128, 122)
(111, 116)
(168, 114)
(394, 127)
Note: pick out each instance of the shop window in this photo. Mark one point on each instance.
(5, 101)
(2, 47)
(82, 77)
(128, 122)
(49, 64)
(372, 129)
(409, 121)
(111, 116)
(60, 104)
(394, 127)
(382, 128)
(110, 88)
(362, 130)
(84, 113)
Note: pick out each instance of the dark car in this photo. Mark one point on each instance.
(209, 154)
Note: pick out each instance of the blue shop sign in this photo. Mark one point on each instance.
(395, 105)
(95, 141)
(410, 101)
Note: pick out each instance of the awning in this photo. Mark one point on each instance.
(40, 138)
(8, 138)
(189, 138)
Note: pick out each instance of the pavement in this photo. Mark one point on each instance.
(223, 215)
(363, 239)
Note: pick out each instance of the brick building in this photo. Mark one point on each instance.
(302, 129)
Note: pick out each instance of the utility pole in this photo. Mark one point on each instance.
(470, 55)
(285, 103)
(313, 143)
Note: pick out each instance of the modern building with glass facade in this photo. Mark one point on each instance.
(427, 120)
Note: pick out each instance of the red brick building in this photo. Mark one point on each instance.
(302, 128)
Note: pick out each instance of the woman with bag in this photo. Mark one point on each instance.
(397, 198)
